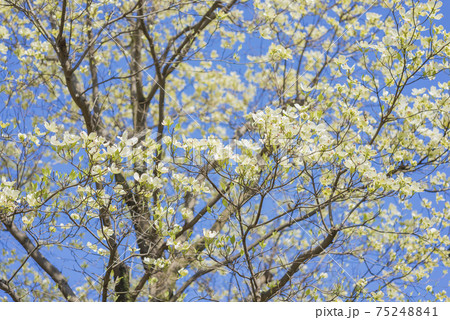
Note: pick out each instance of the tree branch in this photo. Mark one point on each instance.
(301, 259)
(4, 285)
(49, 268)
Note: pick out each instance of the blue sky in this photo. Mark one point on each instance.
(64, 262)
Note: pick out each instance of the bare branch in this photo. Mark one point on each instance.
(49, 268)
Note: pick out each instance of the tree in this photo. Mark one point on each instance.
(223, 150)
